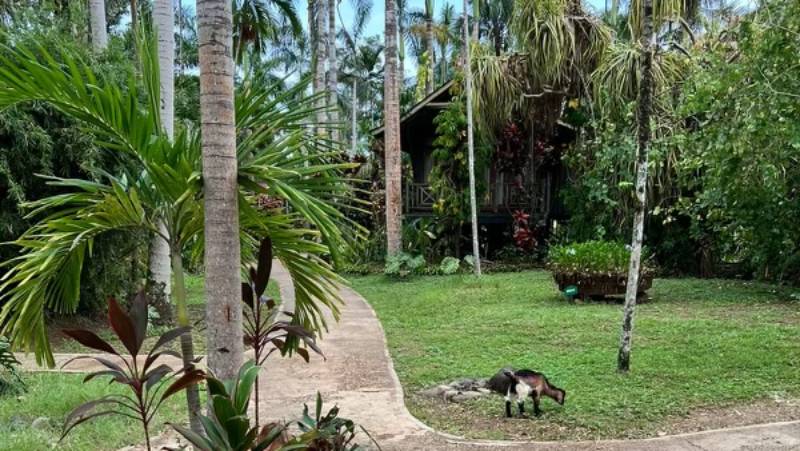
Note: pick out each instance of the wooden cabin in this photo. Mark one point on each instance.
(503, 196)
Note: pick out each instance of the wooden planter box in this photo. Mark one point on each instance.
(597, 286)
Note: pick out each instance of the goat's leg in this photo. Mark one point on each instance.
(508, 408)
(536, 410)
(521, 407)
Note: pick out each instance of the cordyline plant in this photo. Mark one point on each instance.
(264, 332)
(149, 383)
(227, 426)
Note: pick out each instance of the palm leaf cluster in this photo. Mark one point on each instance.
(279, 155)
(556, 46)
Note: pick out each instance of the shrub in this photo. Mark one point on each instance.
(449, 265)
(592, 257)
(10, 382)
(149, 384)
(402, 265)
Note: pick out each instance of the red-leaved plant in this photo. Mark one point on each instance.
(149, 383)
(524, 237)
(264, 331)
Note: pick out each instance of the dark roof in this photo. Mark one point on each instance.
(440, 94)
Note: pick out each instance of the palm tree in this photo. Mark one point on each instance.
(163, 183)
(257, 23)
(218, 129)
(353, 70)
(97, 15)
(495, 17)
(391, 114)
(444, 37)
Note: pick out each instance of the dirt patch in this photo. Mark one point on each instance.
(473, 420)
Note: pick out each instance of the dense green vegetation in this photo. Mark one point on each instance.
(51, 396)
(700, 344)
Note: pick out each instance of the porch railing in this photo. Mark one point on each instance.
(419, 197)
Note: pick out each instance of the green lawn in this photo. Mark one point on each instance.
(699, 345)
(53, 396)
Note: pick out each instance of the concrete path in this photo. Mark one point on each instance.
(358, 376)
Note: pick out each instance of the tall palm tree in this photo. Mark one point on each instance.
(351, 60)
(163, 182)
(391, 114)
(97, 15)
(218, 130)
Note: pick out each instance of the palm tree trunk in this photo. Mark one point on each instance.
(644, 110)
(322, 58)
(164, 19)
(333, 71)
(391, 114)
(218, 140)
(476, 250)
(97, 17)
(187, 344)
(354, 133)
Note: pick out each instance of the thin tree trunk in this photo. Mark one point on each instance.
(187, 344)
(476, 250)
(97, 17)
(391, 108)
(333, 71)
(644, 111)
(320, 17)
(218, 140)
(429, 49)
(476, 20)
(354, 133)
(134, 17)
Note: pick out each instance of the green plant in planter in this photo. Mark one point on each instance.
(402, 265)
(592, 257)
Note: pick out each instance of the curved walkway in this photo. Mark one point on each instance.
(358, 375)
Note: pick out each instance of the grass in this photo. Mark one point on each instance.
(195, 301)
(699, 346)
(53, 396)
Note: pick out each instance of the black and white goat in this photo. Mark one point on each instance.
(518, 385)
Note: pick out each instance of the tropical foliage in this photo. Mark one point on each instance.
(279, 156)
(149, 381)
